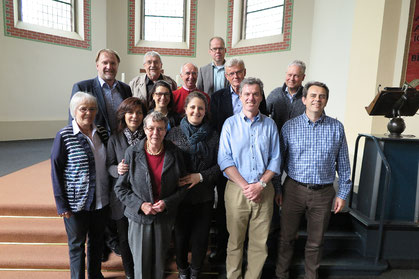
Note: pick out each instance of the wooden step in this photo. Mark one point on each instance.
(35, 229)
(52, 256)
(51, 274)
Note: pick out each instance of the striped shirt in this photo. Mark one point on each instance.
(314, 152)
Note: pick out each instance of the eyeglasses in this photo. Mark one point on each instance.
(162, 94)
(235, 73)
(152, 129)
(215, 49)
(85, 109)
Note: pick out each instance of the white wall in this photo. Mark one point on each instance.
(36, 80)
(331, 36)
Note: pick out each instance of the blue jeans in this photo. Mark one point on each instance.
(78, 226)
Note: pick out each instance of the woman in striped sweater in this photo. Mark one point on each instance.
(81, 184)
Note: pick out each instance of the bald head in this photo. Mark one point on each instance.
(189, 75)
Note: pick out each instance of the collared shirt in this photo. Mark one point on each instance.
(219, 77)
(251, 146)
(149, 83)
(288, 94)
(112, 100)
(99, 153)
(235, 100)
(314, 152)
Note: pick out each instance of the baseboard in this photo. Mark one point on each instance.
(24, 130)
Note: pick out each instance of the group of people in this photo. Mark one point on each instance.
(148, 156)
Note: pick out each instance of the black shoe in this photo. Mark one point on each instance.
(105, 254)
(184, 273)
(195, 273)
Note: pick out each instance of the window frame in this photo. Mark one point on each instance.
(79, 38)
(136, 45)
(235, 43)
(184, 23)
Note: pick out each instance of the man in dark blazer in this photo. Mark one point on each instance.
(226, 103)
(108, 91)
(211, 77)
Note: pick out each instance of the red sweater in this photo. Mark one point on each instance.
(155, 166)
(179, 97)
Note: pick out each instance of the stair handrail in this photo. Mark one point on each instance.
(385, 192)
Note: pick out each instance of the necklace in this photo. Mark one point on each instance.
(151, 152)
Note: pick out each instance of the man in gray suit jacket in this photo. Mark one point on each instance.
(211, 77)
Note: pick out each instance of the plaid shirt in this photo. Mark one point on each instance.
(314, 152)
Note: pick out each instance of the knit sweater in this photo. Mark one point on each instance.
(73, 170)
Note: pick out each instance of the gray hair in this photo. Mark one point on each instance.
(300, 64)
(151, 53)
(155, 116)
(251, 81)
(181, 68)
(315, 83)
(219, 38)
(78, 99)
(234, 62)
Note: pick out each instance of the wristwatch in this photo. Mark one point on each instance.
(263, 184)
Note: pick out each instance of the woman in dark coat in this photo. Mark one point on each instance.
(150, 192)
(199, 143)
(161, 99)
(130, 116)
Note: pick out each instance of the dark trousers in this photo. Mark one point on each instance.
(78, 226)
(297, 200)
(220, 218)
(127, 261)
(192, 226)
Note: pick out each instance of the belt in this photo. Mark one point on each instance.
(312, 186)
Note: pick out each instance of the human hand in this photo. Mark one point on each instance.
(193, 179)
(253, 192)
(339, 204)
(278, 199)
(66, 214)
(122, 167)
(148, 209)
(159, 206)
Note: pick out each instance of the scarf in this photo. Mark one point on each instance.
(134, 138)
(197, 136)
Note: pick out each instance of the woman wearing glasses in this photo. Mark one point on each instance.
(151, 194)
(161, 100)
(81, 185)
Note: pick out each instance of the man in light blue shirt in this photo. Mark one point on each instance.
(313, 149)
(249, 156)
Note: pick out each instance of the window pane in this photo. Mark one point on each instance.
(264, 19)
(164, 20)
(48, 13)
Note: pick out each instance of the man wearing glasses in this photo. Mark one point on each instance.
(211, 77)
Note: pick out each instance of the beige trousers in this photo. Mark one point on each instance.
(242, 215)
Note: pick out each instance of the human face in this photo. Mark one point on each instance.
(251, 97)
(315, 101)
(217, 51)
(189, 76)
(134, 118)
(85, 115)
(235, 75)
(195, 111)
(161, 97)
(155, 132)
(294, 78)
(152, 66)
(107, 67)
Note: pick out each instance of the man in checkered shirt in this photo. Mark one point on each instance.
(313, 149)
